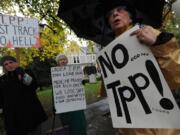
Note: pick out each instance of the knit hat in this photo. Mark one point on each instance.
(5, 58)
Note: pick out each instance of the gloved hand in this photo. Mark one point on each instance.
(20, 72)
(23, 76)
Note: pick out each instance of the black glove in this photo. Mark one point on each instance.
(20, 71)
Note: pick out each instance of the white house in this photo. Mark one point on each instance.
(84, 57)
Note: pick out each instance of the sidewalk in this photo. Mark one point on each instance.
(97, 123)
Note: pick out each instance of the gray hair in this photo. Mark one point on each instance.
(61, 56)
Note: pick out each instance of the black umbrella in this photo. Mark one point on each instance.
(86, 17)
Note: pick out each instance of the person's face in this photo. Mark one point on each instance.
(119, 19)
(62, 62)
(10, 65)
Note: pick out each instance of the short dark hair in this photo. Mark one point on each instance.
(5, 58)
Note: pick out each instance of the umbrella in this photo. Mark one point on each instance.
(86, 17)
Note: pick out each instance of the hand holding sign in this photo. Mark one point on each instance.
(146, 35)
(138, 94)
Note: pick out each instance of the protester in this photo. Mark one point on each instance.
(120, 18)
(75, 120)
(22, 111)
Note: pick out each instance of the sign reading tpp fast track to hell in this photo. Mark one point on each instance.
(18, 32)
(68, 91)
(138, 94)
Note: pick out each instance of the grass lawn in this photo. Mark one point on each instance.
(45, 96)
(91, 92)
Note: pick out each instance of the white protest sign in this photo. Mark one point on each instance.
(68, 91)
(138, 94)
(18, 31)
(92, 78)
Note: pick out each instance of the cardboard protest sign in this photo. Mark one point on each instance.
(68, 90)
(18, 32)
(138, 94)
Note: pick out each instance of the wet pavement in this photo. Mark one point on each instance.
(98, 120)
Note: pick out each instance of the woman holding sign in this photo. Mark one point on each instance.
(120, 18)
(75, 120)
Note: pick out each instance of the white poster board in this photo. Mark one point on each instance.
(138, 94)
(92, 78)
(18, 31)
(68, 91)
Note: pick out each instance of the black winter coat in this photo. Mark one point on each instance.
(21, 108)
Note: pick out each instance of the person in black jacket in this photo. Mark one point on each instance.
(22, 110)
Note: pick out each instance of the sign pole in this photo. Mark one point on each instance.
(17, 50)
